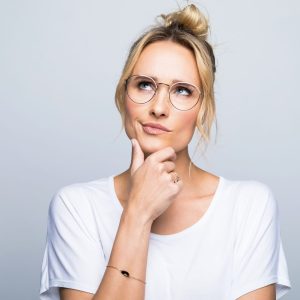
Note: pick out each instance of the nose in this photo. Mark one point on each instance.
(160, 104)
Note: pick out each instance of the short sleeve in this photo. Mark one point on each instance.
(73, 256)
(259, 258)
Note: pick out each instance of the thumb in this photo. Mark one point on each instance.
(137, 156)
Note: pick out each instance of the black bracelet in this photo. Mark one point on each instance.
(125, 273)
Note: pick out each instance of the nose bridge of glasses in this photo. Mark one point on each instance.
(158, 83)
(165, 94)
(162, 83)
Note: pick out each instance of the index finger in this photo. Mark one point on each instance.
(164, 154)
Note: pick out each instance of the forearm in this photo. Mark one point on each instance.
(129, 252)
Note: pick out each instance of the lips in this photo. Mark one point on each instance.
(154, 129)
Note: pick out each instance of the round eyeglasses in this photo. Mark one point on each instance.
(141, 89)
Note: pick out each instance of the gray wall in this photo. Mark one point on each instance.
(59, 64)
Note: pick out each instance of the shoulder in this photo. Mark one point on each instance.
(81, 192)
(81, 199)
(251, 197)
(249, 191)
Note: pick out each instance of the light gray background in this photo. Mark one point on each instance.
(59, 65)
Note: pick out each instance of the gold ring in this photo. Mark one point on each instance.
(177, 178)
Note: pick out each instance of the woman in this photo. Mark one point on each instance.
(165, 229)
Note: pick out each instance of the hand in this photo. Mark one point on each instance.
(152, 188)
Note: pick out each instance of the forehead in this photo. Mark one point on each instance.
(166, 60)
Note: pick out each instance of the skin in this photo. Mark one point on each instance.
(158, 61)
(156, 156)
(196, 193)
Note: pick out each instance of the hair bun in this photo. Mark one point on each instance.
(190, 18)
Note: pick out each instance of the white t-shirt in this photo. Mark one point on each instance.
(233, 249)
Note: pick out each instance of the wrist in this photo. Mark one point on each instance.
(132, 216)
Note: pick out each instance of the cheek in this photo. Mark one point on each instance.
(131, 114)
(189, 120)
(131, 111)
(186, 126)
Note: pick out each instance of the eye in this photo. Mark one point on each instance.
(183, 90)
(145, 85)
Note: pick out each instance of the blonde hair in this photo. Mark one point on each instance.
(189, 28)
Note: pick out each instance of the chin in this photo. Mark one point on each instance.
(149, 147)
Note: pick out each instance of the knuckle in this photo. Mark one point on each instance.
(171, 150)
(174, 189)
(166, 166)
(177, 188)
(160, 167)
(150, 159)
(168, 178)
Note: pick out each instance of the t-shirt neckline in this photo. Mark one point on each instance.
(185, 231)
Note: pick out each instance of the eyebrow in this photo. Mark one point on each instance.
(156, 79)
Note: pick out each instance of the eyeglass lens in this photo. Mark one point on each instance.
(142, 89)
